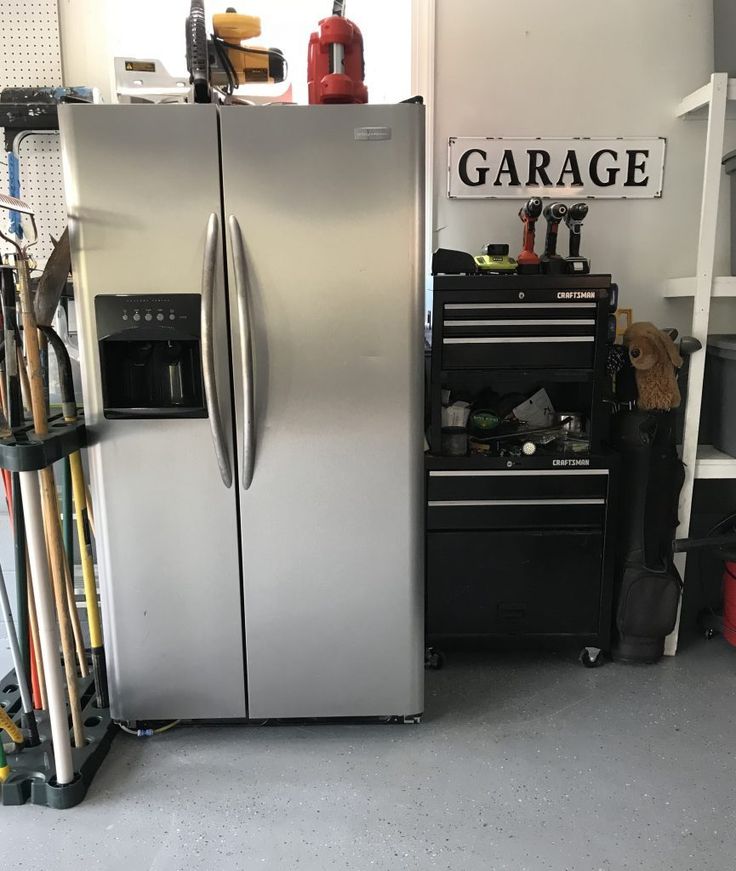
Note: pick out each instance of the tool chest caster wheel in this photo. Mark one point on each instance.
(433, 659)
(591, 657)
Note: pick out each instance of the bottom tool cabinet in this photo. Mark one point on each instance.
(519, 554)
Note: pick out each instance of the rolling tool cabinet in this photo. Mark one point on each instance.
(519, 548)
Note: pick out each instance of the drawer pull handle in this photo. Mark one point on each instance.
(540, 322)
(510, 503)
(495, 340)
(454, 306)
(492, 473)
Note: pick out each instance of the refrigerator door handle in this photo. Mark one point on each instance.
(209, 266)
(246, 350)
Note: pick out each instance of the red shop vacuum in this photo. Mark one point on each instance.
(335, 67)
(722, 540)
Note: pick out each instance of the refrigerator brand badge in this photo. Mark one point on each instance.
(580, 167)
(370, 134)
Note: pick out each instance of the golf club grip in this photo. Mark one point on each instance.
(209, 264)
(683, 545)
(246, 350)
(99, 672)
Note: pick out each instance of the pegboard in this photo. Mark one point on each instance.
(42, 187)
(30, 55)
(29, 44)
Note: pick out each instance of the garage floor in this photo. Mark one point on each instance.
(524, 763)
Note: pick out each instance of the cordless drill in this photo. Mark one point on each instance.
(552, 263)
(575, 264)
(528, 261)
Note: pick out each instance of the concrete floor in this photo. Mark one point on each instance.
(525, 762)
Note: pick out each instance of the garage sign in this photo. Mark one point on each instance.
(487, 168)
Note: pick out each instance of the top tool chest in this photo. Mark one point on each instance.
(519, 526)
(514, 334)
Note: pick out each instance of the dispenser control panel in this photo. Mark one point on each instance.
(173, 313)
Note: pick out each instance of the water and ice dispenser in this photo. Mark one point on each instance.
(150, 356)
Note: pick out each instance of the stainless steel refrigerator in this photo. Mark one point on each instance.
(249, 300)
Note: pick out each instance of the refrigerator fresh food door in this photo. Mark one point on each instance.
(142, 187)
(324, 207)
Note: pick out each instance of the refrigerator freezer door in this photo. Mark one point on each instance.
(141, 185)
(329, 204)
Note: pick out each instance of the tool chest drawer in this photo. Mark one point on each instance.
(519, 321)
(505, 335)
(518, 484)
(515, 513)
(502, 584)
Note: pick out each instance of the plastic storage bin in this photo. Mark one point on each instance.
(724, 32)
(729, 161)
(722, 390)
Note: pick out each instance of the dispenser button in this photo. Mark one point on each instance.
(149, 316)
(136, 317)
(172, 317)
(125, 317)
(159, 317)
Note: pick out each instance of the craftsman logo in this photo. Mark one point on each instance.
(371, 134)
(570, 167)
(576, 294)
(570, 462)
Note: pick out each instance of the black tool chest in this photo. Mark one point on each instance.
(519, 548)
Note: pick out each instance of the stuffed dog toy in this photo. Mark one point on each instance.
(655, 360)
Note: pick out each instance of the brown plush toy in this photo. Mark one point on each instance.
(655, 358)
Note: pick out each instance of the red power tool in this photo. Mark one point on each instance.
(335, 67)
(529, 213)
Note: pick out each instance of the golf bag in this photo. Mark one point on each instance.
(647, 585)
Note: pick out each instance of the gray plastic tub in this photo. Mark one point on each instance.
(722, 390)
(729, 161)
(724, 36)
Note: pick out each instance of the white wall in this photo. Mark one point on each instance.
(583, 68)
(95, 31)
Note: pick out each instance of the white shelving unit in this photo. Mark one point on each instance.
(714, 102)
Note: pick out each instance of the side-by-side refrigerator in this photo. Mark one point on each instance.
(249, 300)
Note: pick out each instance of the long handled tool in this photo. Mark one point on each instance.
(28, 720)
(30, 663)
(69, 408)
(35, 516)
(48, 293)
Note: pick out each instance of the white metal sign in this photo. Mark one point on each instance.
(579, 168)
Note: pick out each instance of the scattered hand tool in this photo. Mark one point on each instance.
(528, 260)
(575, 264)
(552, 263)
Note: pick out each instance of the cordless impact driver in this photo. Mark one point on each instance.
(575, 264)
(552, 263)
(528, 261)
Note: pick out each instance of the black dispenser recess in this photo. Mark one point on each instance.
(150, 356)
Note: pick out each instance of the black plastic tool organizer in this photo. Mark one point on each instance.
(32, 769)
(519, 549)
(31, 778)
